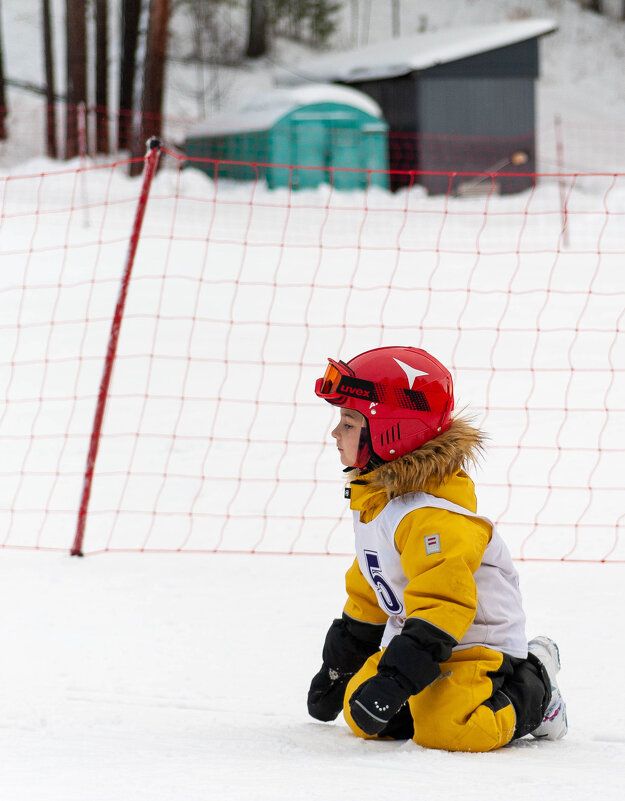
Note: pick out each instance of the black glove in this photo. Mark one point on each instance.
(325, 697)
(409, 664)
(348, 644)
(378, 700)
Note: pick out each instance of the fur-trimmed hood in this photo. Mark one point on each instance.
(430, 465)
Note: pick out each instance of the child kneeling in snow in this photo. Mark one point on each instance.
(431, 644)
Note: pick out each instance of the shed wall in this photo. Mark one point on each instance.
(496, 107)
(476, 125)
(397, 99)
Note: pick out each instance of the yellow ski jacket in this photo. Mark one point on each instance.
(424, 553)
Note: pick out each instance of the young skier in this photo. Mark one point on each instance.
(431, 644)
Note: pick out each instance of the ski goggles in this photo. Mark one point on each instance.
(339, 382)
(335, 371)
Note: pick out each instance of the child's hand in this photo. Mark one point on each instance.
(347, 646)
(325, 697)
(376, 701)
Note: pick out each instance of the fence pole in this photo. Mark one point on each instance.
(149, 169)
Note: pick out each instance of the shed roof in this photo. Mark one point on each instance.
(400, 56)
(263, 111)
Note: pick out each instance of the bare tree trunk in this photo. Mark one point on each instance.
(3, 103)
(257, 35)
(48, 57)
(153, 79)
(76, 49)
(101, 77)
(153, 82)
(131, 11)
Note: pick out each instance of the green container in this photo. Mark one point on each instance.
(297, 138)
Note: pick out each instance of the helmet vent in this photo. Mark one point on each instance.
(390, 435)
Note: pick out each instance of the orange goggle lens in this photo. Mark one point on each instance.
(335, 371)
(331, 380)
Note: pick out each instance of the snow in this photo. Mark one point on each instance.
(184, 676)
(263, 112)
(400, 56)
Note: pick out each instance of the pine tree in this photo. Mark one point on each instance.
(257, 36)
(153, 79)
(3, 104)
(130, 13)
(76, 51)
(101, 76)
(48, 57)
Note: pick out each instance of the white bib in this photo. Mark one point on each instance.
(499, 621)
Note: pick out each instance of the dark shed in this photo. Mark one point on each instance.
(456, 100)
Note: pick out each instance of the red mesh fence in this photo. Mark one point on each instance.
(213, 438)
(558, 145)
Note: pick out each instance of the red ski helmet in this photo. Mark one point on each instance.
(405, 394)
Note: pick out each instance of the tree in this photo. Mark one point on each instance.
(130, 13)
(153, 79)
(312, 21)
(48, 59)
(101, 76)
(257, 36)
(3, 104)
(76, 51)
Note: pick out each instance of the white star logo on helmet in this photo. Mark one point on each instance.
(411, 372)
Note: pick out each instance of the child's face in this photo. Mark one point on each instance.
(347, 435)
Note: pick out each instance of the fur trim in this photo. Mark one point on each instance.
(431, 464)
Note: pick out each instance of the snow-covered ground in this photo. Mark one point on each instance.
(183, 676)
